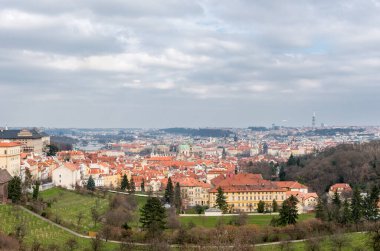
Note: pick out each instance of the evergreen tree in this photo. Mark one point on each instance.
(288, 211)
(336, 210)
(177, 197)
(320, 208)
(124, 183)
(36, 189)
(143, 186)
(346, 213)
(371, 211)
(90, 184)
(274, 206)
(282, 173)
(169, 192)
(14, 189)
(221, 202)
(132, 185)
(356, 206)
(261, 206)
(153, 216)
(291, 161)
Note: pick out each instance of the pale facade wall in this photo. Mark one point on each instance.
(248, 201)
(10, 159)
(65, 177)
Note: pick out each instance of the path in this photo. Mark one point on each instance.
(146, 244)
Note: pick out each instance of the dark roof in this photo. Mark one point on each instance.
(4, 176)
(13, 134)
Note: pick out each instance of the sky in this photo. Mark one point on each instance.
(211, 63)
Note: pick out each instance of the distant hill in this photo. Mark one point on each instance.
(201, 132)
(357, 164)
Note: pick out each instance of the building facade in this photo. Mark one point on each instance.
(31, 141)
(10, 157)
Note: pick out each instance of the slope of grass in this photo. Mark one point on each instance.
(67, 205)
(37, 230)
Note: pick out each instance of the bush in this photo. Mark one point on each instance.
(8, 243)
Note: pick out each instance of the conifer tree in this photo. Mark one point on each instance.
(14, 189)
(288, 211)
(177, 197)
(221, 202)
(346, 213)
(143, 186)
(90, 184)
(169, 192)
(282, 173)
(371, 211)
(153, 216)
(36, 189)
(124, 183)
(356, 206)
(132, 185)
(336, 210)
(320, 208)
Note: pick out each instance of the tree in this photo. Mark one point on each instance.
(261, 206)
(288, 212)
(177, 197)
(371, 211)
(28, 181)
(80, 216)
(336, 203)
(291, 161)
(95, 215)
(346, 213)
(36, 189)
(53, 149)
(274, 206)
(124, 183)
(72, 244)
(91, 184)
(221, 200)
(356, 206)
(199, 209)
(282, 173)
(143, 186)
(14, 189)
(320, 212)
(169, 192)
(132, 185)
(153, 216)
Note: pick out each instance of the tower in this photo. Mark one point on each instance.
(313, 120)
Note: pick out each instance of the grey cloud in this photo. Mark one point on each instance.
(188, 63)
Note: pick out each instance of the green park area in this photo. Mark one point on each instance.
(36, 231)
(212, 221)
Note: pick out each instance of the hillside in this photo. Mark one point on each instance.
(353, 164)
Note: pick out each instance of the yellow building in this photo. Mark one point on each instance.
(10, 157)
(243, 192)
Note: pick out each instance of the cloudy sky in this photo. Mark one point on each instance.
(119, 63)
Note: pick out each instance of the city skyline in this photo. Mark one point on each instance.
(148, 64)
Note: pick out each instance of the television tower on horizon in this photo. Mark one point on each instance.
(313, 120)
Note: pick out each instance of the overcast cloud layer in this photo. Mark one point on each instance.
(189, 63)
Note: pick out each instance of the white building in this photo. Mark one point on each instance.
(67, 175)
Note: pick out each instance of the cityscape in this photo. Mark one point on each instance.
(189, 125)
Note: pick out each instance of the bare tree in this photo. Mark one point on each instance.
(72, 244)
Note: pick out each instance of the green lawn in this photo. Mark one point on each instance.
(211, 221)
(39, 230)
(67, 205)
(354, 241)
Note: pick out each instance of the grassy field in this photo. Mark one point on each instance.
(354, 241)
(67, 205)
(211, 221)
(38, 230)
